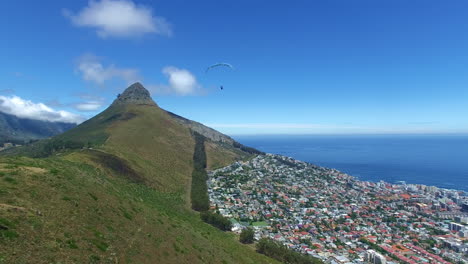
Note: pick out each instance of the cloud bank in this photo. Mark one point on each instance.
(119, 18)
(91, 69)
(19, 107)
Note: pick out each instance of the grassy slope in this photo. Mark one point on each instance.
(158, 146)
(93, 132)
(83, 207)
(220, 155)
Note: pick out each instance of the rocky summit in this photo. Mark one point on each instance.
(135, 94)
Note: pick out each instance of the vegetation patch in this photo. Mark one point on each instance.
(281, 253)
(101, 245)
(66, 198)
(127, 215)
(247, 149)
(116, 165)
(93, 196)
(247, 236)
(6, 229)
(5, 224)
(199, 191)
(56, 145)
(10, 180)
(261, 223)
(71, 244)
(120, 116)
(216, 220)
(94, 259)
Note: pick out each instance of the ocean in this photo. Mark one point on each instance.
(439, 160)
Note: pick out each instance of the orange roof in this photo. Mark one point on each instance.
(405, 196)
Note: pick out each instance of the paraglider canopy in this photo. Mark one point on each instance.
(221, 64)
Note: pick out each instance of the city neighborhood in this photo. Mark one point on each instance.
(339, 219)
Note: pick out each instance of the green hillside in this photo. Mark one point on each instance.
(115, 189)
(18, 130)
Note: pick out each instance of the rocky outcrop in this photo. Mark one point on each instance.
(207, 132)
(135, 94)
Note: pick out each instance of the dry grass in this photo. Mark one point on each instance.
(219, 155)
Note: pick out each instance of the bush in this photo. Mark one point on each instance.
(216, 220)
(247, 149)
(56, 145)
(283, 254)
(247, 236)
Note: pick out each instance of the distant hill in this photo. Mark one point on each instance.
(20, 130)
(115, 189)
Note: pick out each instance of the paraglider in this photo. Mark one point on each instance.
(222, 64)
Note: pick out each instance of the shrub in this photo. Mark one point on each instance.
(247, 149)
(247, 236)
(10, 180)
(216, 220)
(281, 253)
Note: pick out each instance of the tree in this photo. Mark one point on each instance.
(216, 220)
(281, 253)
(199, 191)
(247, 236)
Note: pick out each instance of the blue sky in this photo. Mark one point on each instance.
(305, 67)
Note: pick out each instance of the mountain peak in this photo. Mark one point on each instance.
(135, 94)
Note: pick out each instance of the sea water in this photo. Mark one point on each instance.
(439, 160)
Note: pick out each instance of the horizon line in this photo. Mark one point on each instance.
(354, 134)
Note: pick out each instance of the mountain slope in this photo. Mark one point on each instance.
(15, 129)
(114, 189)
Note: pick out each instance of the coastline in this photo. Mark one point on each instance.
(331, 215)
(398, 183)
(432, 160)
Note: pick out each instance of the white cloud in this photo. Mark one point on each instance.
(181, 82)
(89, 103)
(119, 18)
(88, 106)
(93, 70)
(19, 107)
